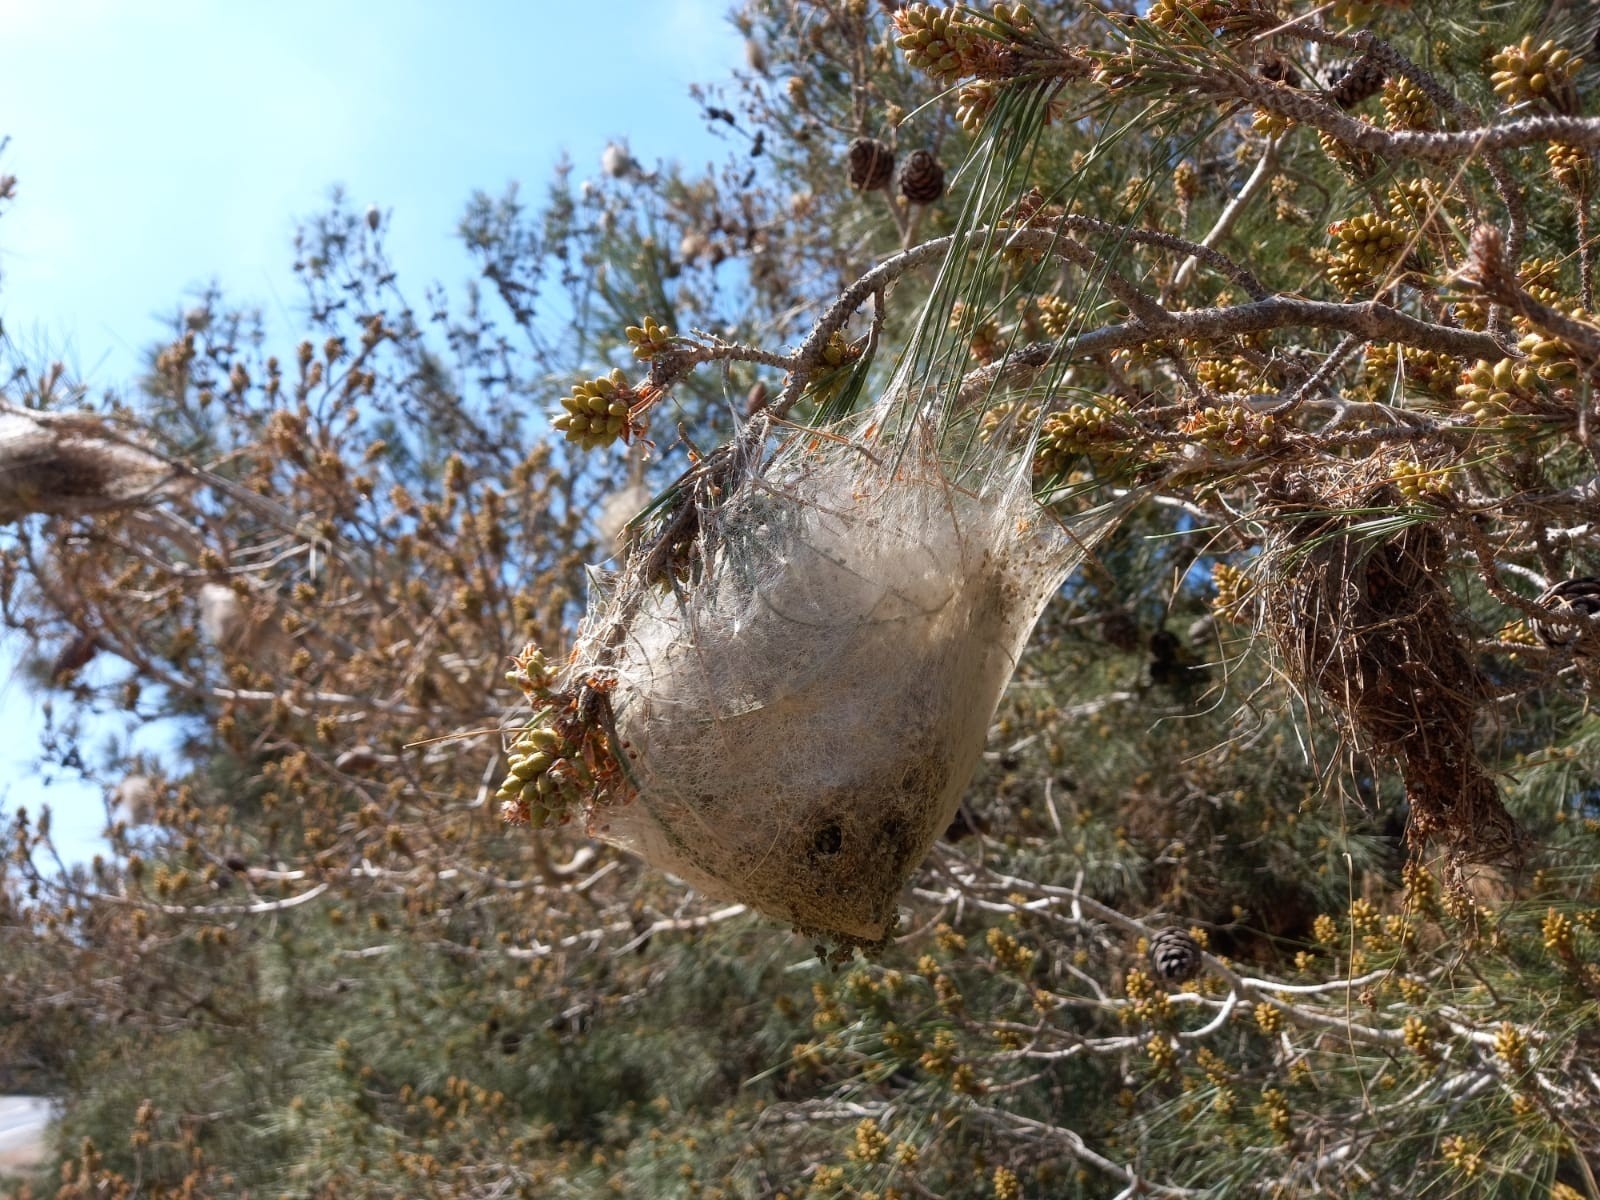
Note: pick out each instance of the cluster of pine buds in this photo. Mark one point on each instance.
(941, 42)
(546, 779)
(1224, 375)
(974, 102)
(1525, 72)
(1422, 370)
(1356, 164)
(1361, 12)
(950, 45)
(1096, 430)
(1231, 429)
(1269, 124)
(1056, 314)
(1489, 391)
(1148, 1002)
(1368, 247)
(1010, 420)
(1406, 105)
(1420, 484)
(1176, 17)
(1419, 205)
(985, 338)
(1233, 590)
(839, 350)
(546, 776)
(871, 1142)
(1552, 359)
(599, 411)
(649, 339)
(1572, 166)
(1541, 279)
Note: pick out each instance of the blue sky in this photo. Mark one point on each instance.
(164, 144)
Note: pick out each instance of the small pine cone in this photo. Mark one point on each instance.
(1175, 955)
(1275, 68)
(921, 178)
(871, 164)
(1120, 631)
(1350, 83)
(1577, 597)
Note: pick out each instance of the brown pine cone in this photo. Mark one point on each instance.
(1119, 630)
(921, 178)
(871, 164)
(1579, 597)
(1175, 955)
(1350, 83)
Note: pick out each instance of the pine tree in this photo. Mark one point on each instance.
(1279, 872)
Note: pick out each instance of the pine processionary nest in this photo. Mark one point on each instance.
(798, 721)
(1365, 617)
(62, 463)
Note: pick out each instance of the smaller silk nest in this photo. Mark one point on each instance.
(799, 719)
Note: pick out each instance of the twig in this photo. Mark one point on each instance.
(1366, 319)
(1259, 178)
(1213, 258)
(1079, 1149)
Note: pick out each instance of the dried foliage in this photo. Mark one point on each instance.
(1366, 618)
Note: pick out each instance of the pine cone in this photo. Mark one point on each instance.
(1119, 630)
(871, 164)
(1350, 83)
(1277, 69)
(1175, 955)
(1581, 598)
(921, 178)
